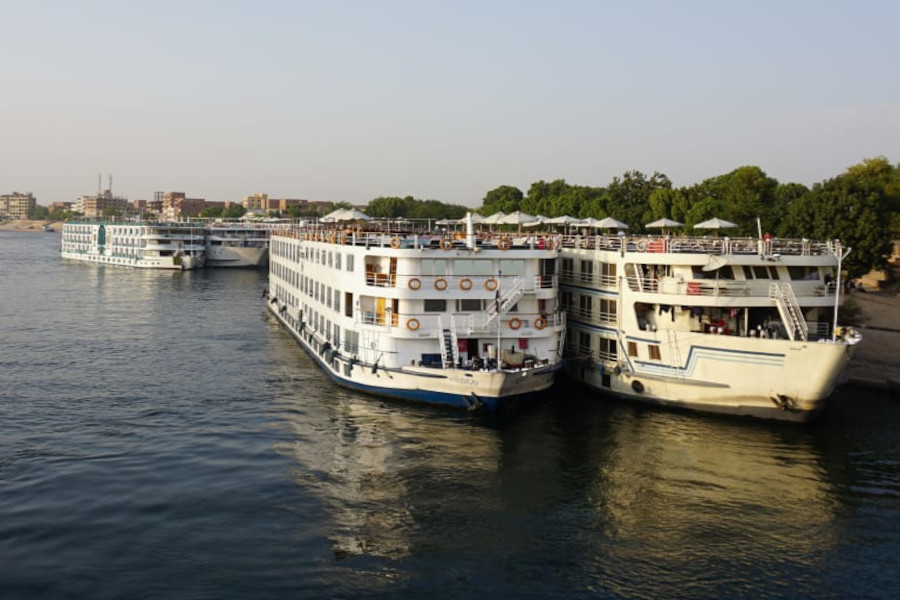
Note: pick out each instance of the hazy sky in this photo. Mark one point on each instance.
(348, 101)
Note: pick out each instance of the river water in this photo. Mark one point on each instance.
(161, 437)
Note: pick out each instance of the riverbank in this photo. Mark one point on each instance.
(876, 363)
(29, 226)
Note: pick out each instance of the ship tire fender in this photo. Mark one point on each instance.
(413, 324)
(515, 323)
(395, 243)
(440, 283)
(415, 283)
(490, 284)
(540, 323)
(637, 386)
(465, 284)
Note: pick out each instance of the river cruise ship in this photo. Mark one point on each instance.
(230, 244)
(390, 309)
(714, 324)
(146, 245)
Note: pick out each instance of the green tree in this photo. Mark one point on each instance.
(505, 198)
(212, 212)
(41, 213)
(111, 211)
(235, 211)
(628, 199)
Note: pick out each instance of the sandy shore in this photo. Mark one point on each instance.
(30, 226)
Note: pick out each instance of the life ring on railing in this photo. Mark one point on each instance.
(440, 283)
(446, 244)
(465, 284)
(490, 284)
(515, 323)
(415, 283)
(396, 243)
(504, 244)
(540, 323)
(413, 324)
(641, 246)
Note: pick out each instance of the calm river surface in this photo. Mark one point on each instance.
(160, 437)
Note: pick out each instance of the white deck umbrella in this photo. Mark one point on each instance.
(538, 221)
(353, 215)
(494, 219)
(606, 223)
(563, 220)
(517, 218)
(715, 223)
(664, 223)
(333, 215)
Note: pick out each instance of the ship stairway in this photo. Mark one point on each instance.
(675, 352)
(507, 298)
(783, 295)
(449, 344)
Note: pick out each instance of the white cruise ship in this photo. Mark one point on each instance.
(237, 245)
(460, 322)
(143, 245)
(738, 326)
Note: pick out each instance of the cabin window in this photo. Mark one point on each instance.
(434, 266)
(654, 352)
(608, 310)
(804, 273)
(608, 348)
(337, 260)
(350, 258)
(435, 305)
(587, 271)
(567, 268)
(584, 343)
(565, 300)
(348, 304)
(632, 349)
(585, 306)
(469, 305)
(763, 272)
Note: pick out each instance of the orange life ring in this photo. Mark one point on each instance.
(413, 324)
(490, 284)
(515, 323)
(446, 244)
(504, 244)
(540, 323)
(415, 283)
(440, 283)
(465, 284)
(395, 243)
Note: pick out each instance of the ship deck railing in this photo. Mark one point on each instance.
(471, 284)
(417, 324)
(683, 244)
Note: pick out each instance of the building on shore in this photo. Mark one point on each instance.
(262, 202)
(93, 207)
(17, 205)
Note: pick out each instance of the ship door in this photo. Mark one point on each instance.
(395, 311)
(379, 310)
(101, 236)
(394, 273)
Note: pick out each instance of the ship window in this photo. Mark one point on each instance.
(350, 258)
(432, 266)
(337, 260)
(512, 267)
(469, 305)
(608, 348)
(762, 272)
(632, 349)
(435, 305)
(587, 271)
(348, 304)
(654, 352)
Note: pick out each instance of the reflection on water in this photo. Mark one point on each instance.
(162, 437)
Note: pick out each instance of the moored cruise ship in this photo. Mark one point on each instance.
(738, 326)
(470, 323)
(146, 245)
(231, 244)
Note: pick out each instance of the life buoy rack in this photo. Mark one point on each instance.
(465, 284)
(540, 323)
(504, 244)
(446, 244)
(490, 284)
(396, 243)
(415, 283)
(440, 283)
(515, 323)
(413, 324)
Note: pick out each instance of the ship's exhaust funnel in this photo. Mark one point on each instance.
(470, 232)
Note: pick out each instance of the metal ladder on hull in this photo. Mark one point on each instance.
(449, 344)
(783, 295)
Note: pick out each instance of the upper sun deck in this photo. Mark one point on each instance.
(683, 244)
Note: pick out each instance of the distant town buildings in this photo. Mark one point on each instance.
(262, 203)
(17, 206)
(92, 207)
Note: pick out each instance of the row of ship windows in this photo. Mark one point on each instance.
(327, 258)
(606, 348)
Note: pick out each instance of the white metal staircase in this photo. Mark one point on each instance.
(449, 345)
(508, 299)
(783, 295)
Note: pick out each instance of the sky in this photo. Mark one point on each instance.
(348, 101)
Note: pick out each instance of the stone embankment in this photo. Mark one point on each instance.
(877, 360)
(29, 226)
